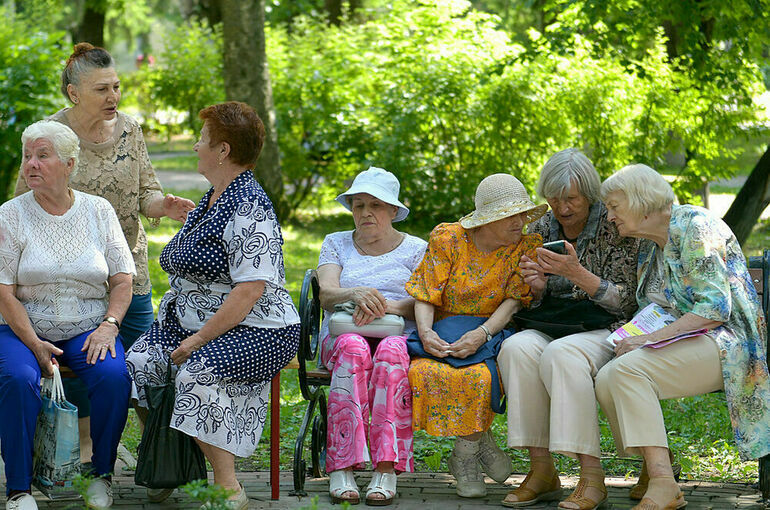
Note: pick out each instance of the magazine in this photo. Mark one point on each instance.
(651, 318)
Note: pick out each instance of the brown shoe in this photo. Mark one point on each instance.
(527, 496)
(578, 496)
(649, 504)
(637, 491)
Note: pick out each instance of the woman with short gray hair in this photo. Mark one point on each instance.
(549, 365)
(695, 270)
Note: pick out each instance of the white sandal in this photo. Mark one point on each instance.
(340, 482)
(384, 484)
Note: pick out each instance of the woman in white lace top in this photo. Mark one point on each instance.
(369, 266)
(65, 285)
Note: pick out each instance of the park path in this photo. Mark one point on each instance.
(420, 491)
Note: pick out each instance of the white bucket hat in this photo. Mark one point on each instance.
(499, 196)
(378, 183)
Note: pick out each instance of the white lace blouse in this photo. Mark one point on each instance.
(387, 273)
(60, 264)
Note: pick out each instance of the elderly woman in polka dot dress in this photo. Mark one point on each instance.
(227, 322)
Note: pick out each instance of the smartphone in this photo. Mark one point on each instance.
(556, 247)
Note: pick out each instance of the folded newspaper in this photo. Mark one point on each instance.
(651, 318)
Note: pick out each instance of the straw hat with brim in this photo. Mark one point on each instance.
(378, 183)
(500, 196)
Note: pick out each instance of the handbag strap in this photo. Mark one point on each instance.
(168, 370)
(346, 306)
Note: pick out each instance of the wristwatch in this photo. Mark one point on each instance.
(112, 320)
(486, 330)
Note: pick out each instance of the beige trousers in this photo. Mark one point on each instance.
(630, 387)
(550, 389)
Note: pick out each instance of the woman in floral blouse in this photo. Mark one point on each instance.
(471, 268)
(696, 271)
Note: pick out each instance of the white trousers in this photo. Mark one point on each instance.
(630, 387)
(550, 389)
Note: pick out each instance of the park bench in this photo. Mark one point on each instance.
(313, 380)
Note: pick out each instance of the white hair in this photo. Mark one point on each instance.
(645, 189)
(565, 168)
(64, 140)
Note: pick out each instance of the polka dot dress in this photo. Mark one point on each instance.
(222, 389)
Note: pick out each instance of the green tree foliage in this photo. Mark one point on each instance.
(29, 87)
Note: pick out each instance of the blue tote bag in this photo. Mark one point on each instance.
(451, 329)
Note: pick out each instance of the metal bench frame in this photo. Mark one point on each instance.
(312, 382)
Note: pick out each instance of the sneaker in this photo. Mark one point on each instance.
(494, 461)
(158, 495)
(99, 494)
(240, 503)
(464, 466)
(21, 501)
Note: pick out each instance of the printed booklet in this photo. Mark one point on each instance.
(651, 318)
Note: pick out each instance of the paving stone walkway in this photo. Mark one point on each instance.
(418, 491)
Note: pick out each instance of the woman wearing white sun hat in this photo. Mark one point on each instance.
(368, 266)
(470, 280)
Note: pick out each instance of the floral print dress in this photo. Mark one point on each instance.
(222, 390)
(458, 279)
(705, 274)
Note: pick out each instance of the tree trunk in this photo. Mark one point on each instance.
(247, 79)
(91, 27)
(751, 200)
(334, 10)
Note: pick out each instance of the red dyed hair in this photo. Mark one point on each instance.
(239, 125)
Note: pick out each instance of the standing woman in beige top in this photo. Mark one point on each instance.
(114, 164)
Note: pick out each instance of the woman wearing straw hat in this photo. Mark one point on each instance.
(548, 372)
(470, 273)
(368, 266)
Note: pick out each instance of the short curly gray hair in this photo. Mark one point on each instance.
(564, 168)
(645, 189)
(64, 140)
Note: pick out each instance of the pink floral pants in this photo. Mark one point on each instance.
(362, 383)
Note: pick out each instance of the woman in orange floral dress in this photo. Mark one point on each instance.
(471, 268)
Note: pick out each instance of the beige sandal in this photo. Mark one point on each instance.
(528, 496)
(638, 491)
(649, 504)
(578, 495)
(341, 482)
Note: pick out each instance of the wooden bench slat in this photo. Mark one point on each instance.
(756, 278)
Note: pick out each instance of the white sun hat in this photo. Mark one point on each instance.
(499, 196)
(378, 183)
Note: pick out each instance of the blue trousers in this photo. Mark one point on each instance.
(109, 388)
(138, 319)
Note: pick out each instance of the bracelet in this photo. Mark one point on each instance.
(487, 332)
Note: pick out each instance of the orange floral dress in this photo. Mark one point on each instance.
(458, 279)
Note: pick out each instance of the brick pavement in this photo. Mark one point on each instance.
(419, 491)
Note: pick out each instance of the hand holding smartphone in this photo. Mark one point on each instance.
(556, 247)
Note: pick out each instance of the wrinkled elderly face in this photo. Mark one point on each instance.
(371, 215)
(570, 210)
(618, 213)
(42, 169)
(98, 93)
(508, 230)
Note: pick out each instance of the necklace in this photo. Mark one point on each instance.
(391, 248)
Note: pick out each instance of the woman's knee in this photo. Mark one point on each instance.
(392, 349)
(20, 379)
(351, 345)
(522, 347)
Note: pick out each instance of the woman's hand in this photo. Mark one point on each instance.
(468, 344)
(188, 346)
(44, 352)
(177, 208)
(533, 275)
(631, 343)
(434, 344)
(562, 265)
(369, 300)
(100, 342)
(361, 318)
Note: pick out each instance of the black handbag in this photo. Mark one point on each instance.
(168, 458)
(558, 317)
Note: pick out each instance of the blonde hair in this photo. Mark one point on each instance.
(645, 189)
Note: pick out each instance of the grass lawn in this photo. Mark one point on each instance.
(699, 427)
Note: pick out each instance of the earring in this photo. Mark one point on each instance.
(75, 100)
(220, 161)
